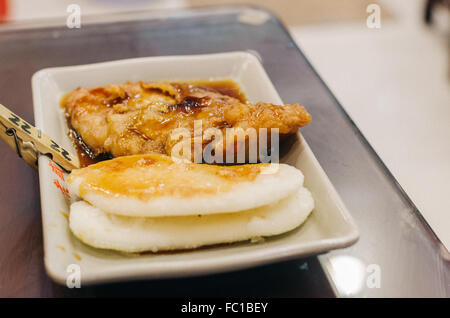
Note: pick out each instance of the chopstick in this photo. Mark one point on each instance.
(29, 142)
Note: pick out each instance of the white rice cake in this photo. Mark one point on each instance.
(137, 234)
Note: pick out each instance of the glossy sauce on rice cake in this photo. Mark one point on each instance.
(156, 185)
(150, 176)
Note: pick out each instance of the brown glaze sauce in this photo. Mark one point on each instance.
(86, 156)
(150, 176)
(189, 104)
(225, 87)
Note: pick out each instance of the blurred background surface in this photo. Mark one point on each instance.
(393, 80)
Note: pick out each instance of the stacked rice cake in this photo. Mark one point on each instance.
(155, 203)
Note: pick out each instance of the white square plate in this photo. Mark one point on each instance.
(330, 225)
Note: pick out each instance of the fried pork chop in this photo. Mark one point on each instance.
(140, 117)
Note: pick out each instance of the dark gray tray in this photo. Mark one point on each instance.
(393, 235)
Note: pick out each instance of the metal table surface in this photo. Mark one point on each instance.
(397, 254)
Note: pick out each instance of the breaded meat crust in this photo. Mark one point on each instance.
(139, 117)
